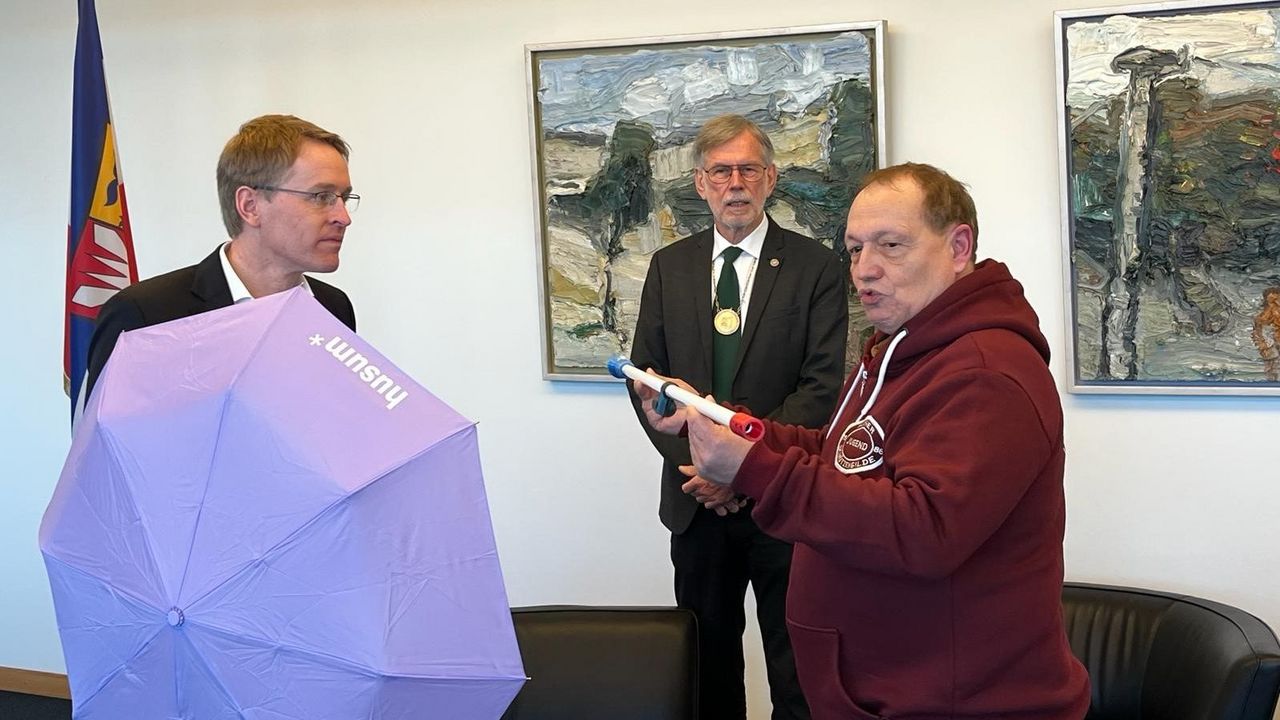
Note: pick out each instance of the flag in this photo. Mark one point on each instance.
(100, 259)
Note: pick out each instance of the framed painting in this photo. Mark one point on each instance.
(1170, 172)
(612, 125)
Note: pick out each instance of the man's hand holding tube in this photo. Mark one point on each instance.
(717, 452)
(672, 425)
(717, 497)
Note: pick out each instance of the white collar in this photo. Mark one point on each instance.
(752, 244)
(240, 293)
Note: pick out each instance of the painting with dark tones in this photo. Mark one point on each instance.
(612, 131)
(1171, 178)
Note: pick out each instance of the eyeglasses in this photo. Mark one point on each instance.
(323, 198)
(720, 174)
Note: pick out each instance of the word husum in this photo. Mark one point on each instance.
(359, 364)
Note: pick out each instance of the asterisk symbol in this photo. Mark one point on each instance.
(316, 340)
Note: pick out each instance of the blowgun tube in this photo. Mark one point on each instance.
(741, 424)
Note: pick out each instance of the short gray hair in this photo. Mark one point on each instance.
(721, 129)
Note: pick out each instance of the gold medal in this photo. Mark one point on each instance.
(727, 321)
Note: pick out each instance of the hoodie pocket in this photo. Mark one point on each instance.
(817, 652)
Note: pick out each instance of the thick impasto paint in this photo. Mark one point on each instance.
(1173, 185)
(613, 128)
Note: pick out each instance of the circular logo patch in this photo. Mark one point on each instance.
(861, 447)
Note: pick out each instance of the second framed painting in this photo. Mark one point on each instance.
(612, 125)
(1171, 182)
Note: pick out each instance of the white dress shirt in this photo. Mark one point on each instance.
(240, 293)
(745, 265)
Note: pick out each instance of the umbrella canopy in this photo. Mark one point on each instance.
(262, 517)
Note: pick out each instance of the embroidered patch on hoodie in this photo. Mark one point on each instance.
(861, 447)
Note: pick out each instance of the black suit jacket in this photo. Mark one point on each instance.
(182, 293)
(790, 362)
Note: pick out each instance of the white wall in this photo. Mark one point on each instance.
(1179, 494)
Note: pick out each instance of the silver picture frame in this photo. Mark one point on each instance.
(610, 125)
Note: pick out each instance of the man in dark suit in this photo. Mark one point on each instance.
(770, 336)
(286, 199)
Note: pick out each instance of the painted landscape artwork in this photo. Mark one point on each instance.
(1172, 184)
(612, 130)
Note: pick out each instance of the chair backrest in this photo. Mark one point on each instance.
(620, 663)
(1159, 656)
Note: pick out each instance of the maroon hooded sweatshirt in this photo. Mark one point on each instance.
(928, 521)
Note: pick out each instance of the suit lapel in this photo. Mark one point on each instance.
(699, 289)
(209, 285)
(209, 291)
(772, 257)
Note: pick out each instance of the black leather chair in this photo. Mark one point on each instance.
(606, 663)
(1160, 656)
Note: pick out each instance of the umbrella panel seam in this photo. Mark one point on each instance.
(322, 512)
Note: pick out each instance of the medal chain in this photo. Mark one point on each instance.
(744, 292)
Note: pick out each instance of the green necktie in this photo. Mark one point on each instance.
(724, 348)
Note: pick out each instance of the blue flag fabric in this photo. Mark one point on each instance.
(100, 258)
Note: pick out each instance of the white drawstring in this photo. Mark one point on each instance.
(875, 392)
(853, 386)
(884, 370)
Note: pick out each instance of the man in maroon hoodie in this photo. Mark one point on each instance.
(928, 516)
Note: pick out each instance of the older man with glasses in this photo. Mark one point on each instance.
(286, 201)
(757, 316)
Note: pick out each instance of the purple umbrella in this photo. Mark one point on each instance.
(262, 517)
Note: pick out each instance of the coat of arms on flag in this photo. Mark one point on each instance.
(100, 259)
